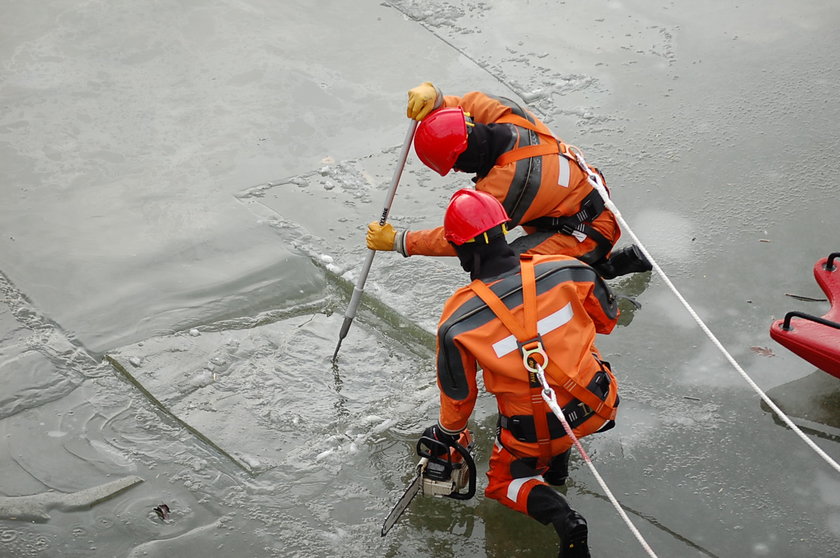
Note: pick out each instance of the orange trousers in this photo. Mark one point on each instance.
(517, 483)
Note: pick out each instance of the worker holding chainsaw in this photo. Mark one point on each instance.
(544, 184)
(528, 322)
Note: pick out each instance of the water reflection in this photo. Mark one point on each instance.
(628, 289)
(812, 402)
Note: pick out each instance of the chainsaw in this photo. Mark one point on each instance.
(443, 471)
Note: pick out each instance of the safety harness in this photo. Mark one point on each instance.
(534, 357)
(592, 206)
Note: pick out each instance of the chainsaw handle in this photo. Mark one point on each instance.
(431, 444)
(470, 463)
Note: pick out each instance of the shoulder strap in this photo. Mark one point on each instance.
(498, 307)
(511, 118)
(523, 333)
(529, 295)
(526, 152)
(548, 148)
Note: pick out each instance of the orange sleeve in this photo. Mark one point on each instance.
(454, 414)
(482, 107)
(457, 368)
(429, 242)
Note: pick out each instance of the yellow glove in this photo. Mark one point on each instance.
(380, 237)
(422, 100)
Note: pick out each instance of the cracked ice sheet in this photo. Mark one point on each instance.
(349, 194)
(30, 380)
(544, 52)
(266, 398)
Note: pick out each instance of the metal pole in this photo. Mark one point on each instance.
(359, 289)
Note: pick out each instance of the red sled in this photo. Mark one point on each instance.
(816, 339)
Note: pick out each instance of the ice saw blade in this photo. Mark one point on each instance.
(405, 499)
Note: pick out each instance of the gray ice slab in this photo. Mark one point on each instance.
(29, 379)
(60, 445)
(266, 395)
(347, 195)
(37, 506)
(38, 363)
(204, 540)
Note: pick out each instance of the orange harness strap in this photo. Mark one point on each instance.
(528, 337)
(511, 118)
(527, 151)
(533, 341)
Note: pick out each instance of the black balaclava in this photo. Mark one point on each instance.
(484, 145)
(487, 261)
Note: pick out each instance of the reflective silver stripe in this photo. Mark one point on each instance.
(544, 326)
(564, 172)
(399, 243)
(516, 485)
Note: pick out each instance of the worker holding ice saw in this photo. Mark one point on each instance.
(518, 312)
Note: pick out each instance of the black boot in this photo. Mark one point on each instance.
(574, 535)
(627, 260)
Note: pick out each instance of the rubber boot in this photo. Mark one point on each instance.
(627, 260)
(574, 536)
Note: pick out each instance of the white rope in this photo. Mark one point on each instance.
(593, 180)
(550, 398)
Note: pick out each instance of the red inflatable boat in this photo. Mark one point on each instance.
(816, 339)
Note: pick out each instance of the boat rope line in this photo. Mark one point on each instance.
(593, 180)
(550, 398)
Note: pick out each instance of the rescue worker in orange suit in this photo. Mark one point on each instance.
(544, 186)
(546, 308)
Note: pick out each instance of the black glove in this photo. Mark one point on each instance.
(436, 433)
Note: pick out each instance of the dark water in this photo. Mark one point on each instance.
(185, 189)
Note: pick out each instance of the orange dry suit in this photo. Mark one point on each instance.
(541, 185)
(556, 304)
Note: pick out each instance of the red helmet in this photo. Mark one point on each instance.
(471, 213)
(440, 138)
